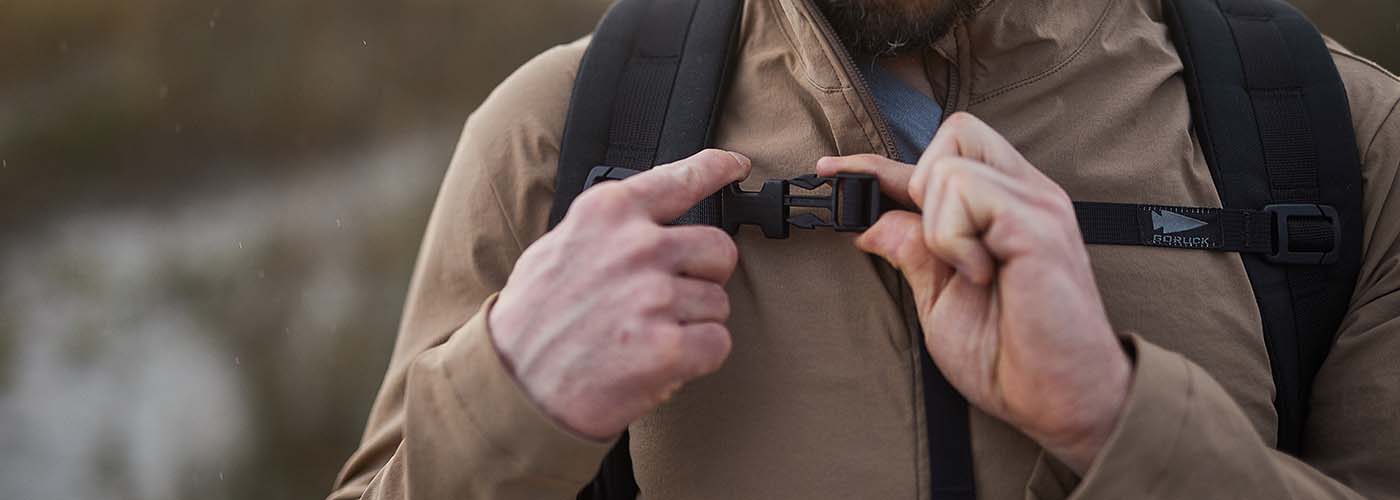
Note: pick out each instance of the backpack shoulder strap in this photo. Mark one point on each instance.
(1272, 116)
(648, 92)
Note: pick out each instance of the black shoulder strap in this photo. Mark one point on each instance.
(647, 93)
(1272, 116)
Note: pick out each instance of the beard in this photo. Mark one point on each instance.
(889, 27)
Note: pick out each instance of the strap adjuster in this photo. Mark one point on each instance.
(1283, 251)
(853, 205)
(601, 174)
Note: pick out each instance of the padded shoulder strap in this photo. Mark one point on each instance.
(1272, 116)
(648, 92)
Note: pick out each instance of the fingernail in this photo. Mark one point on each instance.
(743, 160)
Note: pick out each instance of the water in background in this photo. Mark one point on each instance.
(208, 215)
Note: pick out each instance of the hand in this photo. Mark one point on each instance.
(1003, 285)
(611, 312)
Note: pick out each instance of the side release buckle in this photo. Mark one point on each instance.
(852, 205)
(1289, 233)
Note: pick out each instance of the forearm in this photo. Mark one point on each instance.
(470, 432)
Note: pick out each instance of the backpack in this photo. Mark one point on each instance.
(1268, 107)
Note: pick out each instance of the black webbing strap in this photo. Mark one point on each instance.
(648, 91)
(1289, 233)
(1272, 116)
(951, 467)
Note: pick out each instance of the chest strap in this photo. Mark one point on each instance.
(1285, 233)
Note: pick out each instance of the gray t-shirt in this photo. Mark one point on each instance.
(911, 115)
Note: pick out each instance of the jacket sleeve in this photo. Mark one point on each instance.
(1182, 436)
(450, 421)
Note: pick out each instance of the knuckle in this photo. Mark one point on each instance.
(719, 241)
(720, 299)
(918, 181)
(863, 160)
(960, 122)
(723, 342)
(540, 248)
(668, 348)
(727, 342)
(953, 178)
(940, 238)
(657, 292)
(1064, 209)
(722, 160)
(943, 168)
(688, 170)
(1055, 201)
(1021, 239)
(730, 253)
(608, 200)
(713, 158)
(953, 168)
(644, 243)
(1063, 199)
(546, 256)
(1024, 236)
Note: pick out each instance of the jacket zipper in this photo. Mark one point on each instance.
(857, 77)
(908, 308)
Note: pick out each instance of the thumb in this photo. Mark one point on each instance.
(894, 176)
(897, 237)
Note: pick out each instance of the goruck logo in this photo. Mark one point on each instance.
(1180, 227)
(1168, 222)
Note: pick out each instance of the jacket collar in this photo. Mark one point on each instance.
(1006, 44)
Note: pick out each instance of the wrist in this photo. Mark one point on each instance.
(1078, 442)
(575, 415)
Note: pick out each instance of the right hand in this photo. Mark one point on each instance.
(610, 313)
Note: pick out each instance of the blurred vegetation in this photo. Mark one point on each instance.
(1370, 28)
(209, 212)
(101, 100)
(208, 215)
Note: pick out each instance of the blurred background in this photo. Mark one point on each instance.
(209, 211)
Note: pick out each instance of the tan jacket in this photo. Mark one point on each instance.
(820, 398)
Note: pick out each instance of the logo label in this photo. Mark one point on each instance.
(1179, 227)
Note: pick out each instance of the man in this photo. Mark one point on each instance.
(754, 368)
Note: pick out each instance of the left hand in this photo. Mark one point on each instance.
(1003, 285)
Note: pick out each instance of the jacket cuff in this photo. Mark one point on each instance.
(504, 415)
(1140, 449)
